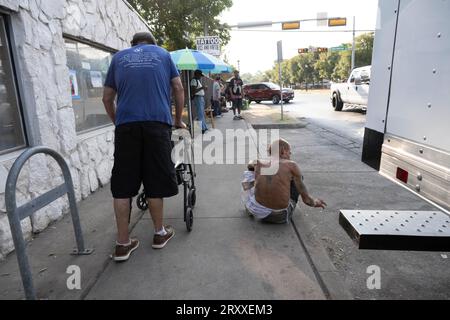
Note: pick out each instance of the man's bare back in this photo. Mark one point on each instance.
(274, 191)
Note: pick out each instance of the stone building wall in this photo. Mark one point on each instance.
(38, 29)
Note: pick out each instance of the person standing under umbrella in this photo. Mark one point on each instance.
(198, 94)
(216, 97)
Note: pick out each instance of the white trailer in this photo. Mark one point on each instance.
(407, 133)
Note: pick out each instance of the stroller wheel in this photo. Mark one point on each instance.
(192, 198)
(141, 202)
(189, 217)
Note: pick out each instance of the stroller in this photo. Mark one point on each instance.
(185, 176)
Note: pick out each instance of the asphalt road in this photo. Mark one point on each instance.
(316, 108)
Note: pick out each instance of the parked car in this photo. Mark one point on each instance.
(355, 91)
(267, 91)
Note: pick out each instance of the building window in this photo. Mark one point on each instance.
(87, 68)
(12, 134)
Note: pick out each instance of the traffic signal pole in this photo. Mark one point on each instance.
(280, 61)
(353, 47)
(281, 92)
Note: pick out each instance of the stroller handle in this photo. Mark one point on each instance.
(181, 133)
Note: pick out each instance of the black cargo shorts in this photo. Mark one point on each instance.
(142, 155)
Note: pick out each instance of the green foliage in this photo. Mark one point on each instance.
(343, 66)
(326, 64)
(315, 67)
(176, 23)
(364, 47)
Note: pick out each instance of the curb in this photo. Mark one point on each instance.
(298, 125)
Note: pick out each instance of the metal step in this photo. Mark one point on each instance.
(398, 230)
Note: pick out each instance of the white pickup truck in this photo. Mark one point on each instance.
(354, 92)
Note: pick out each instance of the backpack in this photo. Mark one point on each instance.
(193, 92)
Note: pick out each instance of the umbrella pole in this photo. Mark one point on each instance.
(191, 120)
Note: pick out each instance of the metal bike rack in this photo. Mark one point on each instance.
(16, 215)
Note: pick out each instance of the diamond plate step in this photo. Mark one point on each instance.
(397, 230)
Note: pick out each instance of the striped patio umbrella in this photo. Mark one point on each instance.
(188, 59)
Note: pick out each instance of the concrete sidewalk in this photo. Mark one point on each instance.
(226, 256)
(331, 164)
(231, 256)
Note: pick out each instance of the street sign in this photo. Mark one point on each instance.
(322, 19)
(290, 25)
(280, 51)
(209, 44)
(339, 48)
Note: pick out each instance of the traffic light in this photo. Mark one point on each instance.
(290, 25)
(337, 22)
(303, 50)
(322, 49)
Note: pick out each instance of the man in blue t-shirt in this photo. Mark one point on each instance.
(142, 77)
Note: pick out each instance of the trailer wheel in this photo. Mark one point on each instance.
(337, 102)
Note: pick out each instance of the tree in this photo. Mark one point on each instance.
(285, 72)
(176, 23)
(314, 67)
(326, 64)
(342, 69)
(248, 78)
(364, 48)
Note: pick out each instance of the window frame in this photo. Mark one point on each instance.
(366, 77)
(5, 20)
(97, 46)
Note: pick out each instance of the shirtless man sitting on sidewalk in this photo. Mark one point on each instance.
(273, 198)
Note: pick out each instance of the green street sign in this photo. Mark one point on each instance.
(340, 48)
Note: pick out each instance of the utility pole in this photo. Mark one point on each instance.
(280, 61)
(353, 46)
(205, 29)
(281, 91)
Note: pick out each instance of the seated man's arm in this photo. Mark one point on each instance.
(306, 198)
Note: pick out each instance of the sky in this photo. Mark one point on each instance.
(254, 51)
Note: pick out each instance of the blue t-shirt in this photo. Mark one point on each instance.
(141, 76)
